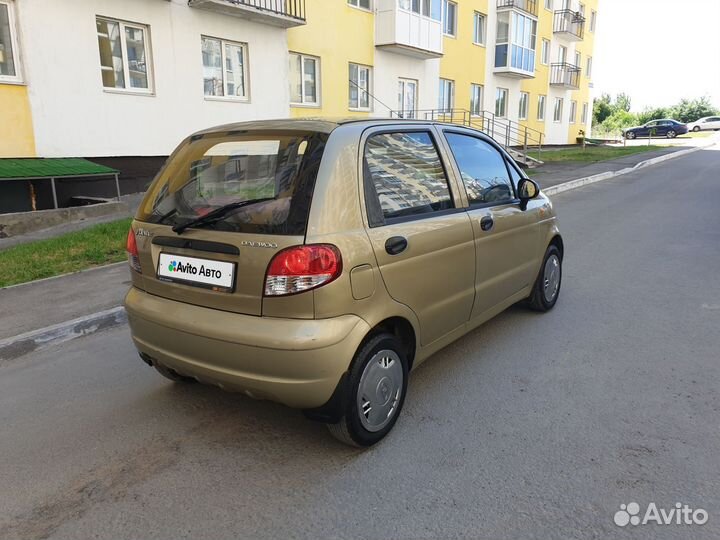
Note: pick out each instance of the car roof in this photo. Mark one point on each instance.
(322, 125)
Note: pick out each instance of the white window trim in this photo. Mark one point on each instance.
(527, 106)
(543, 98)
(15, 42)
(444, 12)
(593, 20)
(368, 91)
(507, 98)
(548, 8)
(246, 74)
(573, 111)
(584, 114)
(308, 104)
(443, 82)
(545, 61)
(420, 13)
(588, 70)
(357, 5)
(562, 105)
(482, 97)
(150, 90)
(484, 25)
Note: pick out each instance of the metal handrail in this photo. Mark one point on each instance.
(289, 8)
(569, 21)
(565, 74)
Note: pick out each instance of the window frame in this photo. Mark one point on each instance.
(573, 111)
(150, 72)
(15, 44)
(593, 20)
(522, 116)
(505, 102)
(318, 87)
(548, 4)
(588, 67)
(223, 56)
(367, 90)
(578, 59)
(369, 189)
(545, 46)
(478, 16)
(473, 86)
(557, 118)
(543, 98)
(356, 4)
(584, 113)
(451, 84)
(445, 5)
(503, 155)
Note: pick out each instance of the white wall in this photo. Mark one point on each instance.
(74, 116)
(389, 66)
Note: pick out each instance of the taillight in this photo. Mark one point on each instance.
(132, 251)
(302, 268)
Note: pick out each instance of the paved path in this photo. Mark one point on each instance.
(533, 426)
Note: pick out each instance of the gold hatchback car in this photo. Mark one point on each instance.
(316, 263)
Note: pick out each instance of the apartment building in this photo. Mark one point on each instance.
(128, 79)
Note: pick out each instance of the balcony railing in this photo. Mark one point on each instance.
(284, 13)
(570, 24)
(528, 6)
(565, 75)
(406, 32)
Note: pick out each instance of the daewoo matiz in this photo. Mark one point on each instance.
(316, 263)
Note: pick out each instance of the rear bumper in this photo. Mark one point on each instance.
(297, 362)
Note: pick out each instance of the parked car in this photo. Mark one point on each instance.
(356, 250)
(706, 123)
(662, 128)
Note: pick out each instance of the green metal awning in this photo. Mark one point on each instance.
(16, 168)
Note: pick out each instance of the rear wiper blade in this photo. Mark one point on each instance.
(217, 214)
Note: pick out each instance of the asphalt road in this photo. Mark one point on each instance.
(534, 426)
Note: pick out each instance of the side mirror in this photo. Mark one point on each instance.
(527, 190)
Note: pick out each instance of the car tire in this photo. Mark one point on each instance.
(173, 375)
(671, 134)
(378, 381)
(696, 129)
(547, 285)
(630, 135)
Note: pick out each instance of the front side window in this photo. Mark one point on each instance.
(364, 4)
(541, 108)
(476, 98)
(224, 68)
(573, 111)
(359, 87)
(545, 52)
(276, 169)
(482, 169)
(404, 175)
(9, 70)
(449, 17)
(447, 95)
(304, 78)
(479, 28)
(124, 55)
(557, 113)
(523, 107)
(501, 97)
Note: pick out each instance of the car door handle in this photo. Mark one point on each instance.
(396, 244)
(486, 223)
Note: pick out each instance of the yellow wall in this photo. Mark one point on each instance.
(463, 61)
(16, 129)
(338, 34)
(540, 85)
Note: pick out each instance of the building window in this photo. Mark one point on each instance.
(447, 95)
(224, 68)
(557, 114)
(541, 108)
(581, 9)
(515, 41)
(479, 29)
(501, 97)
(584, 117)
(363, 4)
(593, 19)
(562, 54)
(407, 98)
(304, 79)
(476, 99)
(124, 55)
(523, 108)
(359, 87)
(578, 58)
(573, 111)
(449, 17)
(427, 8)
(588, 71)
(548, 4)
(545, 52)
(9, 65)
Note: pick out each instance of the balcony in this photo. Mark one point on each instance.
(565, 76)
(569, 24)
(407, 32)
(528, 6)
(514, 61)
(282, 13)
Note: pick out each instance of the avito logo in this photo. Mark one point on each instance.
(188, 268)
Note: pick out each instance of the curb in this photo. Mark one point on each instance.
(579, 182)
(16, 346)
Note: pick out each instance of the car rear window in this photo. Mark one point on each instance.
(212, 170)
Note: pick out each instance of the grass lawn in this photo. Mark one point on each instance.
(592, 154)
(697, 134)
(94, 246)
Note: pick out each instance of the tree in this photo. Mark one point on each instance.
(602, 108)
(689, 110)
(622, 103)
(654, 113)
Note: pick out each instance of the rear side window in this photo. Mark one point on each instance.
(404, 177)
(482, 168)
(215, 169)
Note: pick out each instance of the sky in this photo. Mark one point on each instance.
(658, 51)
